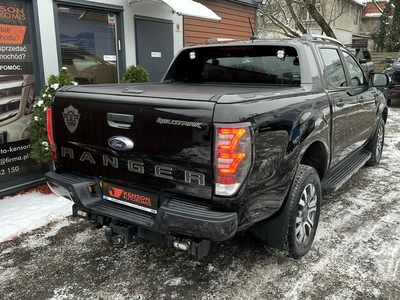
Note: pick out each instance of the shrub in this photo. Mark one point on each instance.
(135, 74)
(40, 148)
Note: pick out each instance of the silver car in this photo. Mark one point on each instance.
(16, 99)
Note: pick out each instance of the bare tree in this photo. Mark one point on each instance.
(296, 20)
(377, 6)
(313, 11)
(281, 18)
(288, 17)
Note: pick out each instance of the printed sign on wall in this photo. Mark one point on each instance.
(16, 90)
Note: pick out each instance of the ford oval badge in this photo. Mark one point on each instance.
(120, 143)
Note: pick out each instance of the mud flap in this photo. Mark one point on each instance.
(273, 231)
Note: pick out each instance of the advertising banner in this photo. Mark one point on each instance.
(16, 91)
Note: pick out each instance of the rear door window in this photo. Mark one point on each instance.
(356, 74)
(333, 71)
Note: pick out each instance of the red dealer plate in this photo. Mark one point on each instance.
(130, 197)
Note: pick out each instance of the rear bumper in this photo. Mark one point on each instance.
(174, 216)
(393, 92)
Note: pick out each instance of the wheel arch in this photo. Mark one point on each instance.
(316, 156)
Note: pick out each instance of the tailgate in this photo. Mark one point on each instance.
(162, 145)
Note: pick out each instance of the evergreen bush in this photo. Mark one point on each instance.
(40, 148)
(135, 74)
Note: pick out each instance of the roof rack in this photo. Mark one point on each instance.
(311, 37)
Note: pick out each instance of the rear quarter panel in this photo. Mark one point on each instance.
(283, 128)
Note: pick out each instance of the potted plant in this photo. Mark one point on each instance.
(135, 74)
(40, 148)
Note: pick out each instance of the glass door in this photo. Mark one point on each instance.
(88, 44)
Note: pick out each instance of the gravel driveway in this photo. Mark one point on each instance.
(356, 254)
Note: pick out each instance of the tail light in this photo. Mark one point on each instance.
(50, 135)
(232, 157)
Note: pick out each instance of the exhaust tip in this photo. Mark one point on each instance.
(183, 245)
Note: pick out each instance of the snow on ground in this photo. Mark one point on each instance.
(23, 213)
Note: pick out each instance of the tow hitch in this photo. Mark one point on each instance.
(199, 249)
(120, 234)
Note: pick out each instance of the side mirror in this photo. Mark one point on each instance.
(380, 79)
(389, 60)
(363, 61)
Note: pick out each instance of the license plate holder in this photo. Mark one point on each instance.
(131, 197)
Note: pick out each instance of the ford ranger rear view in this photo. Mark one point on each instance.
(237, 136)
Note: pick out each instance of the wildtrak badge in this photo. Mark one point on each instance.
(179, 123)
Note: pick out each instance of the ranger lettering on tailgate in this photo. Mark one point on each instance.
(133, 166)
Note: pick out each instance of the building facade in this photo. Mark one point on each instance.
(134, 32)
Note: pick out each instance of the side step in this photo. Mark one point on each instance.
(345, 170)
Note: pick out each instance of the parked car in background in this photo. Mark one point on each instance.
(361, 53)
(394, 67)
(393, 91)
(16, 99)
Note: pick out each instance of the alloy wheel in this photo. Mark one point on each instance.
(306, 214)
(379, 143)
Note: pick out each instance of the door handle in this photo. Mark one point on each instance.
(120, 121)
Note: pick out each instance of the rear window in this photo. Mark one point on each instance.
(396, 77)
(361, 54)
(367, 56)
(239, 64)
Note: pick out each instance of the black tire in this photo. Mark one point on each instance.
(388, 102)
(305, 206)
(376, 145)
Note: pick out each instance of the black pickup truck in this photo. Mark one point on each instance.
(237, 136)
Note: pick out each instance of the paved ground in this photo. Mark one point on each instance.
(356, 254)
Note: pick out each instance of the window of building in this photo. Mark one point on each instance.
(306, 14)
(355, 17)
(272, 10)
(88, 44)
